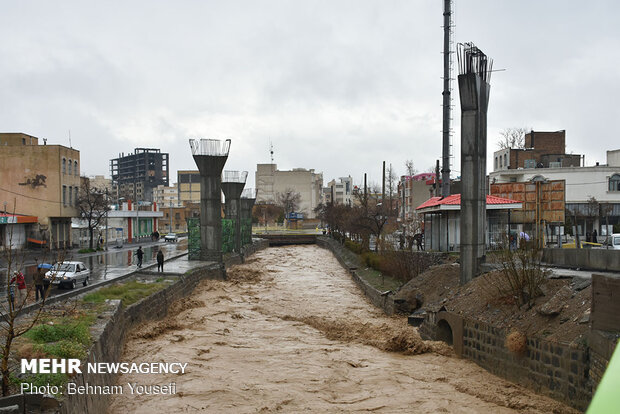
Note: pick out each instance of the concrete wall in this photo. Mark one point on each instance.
(559, 370)
(385, 302)
(589, 259)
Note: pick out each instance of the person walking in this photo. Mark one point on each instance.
(20, 293)
(38, 284)
(160, 261)
(139, 255)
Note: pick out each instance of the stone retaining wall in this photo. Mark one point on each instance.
(559, 370)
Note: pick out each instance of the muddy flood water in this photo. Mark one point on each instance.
(291, 332)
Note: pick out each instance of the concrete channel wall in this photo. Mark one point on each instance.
(590, 259)
(109, 339)
(350, 262)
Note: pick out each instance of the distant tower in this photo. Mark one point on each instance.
(447, 99)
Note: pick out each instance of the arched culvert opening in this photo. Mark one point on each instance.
(444, 332)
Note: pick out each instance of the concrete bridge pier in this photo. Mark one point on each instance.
(248, 198)
(232, 185)
(210, 156)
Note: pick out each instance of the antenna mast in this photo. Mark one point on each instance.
(447, 99)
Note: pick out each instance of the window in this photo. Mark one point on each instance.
(75, 168)
(177, 216)
(496, 163)
(614, 182)
(23, 141)
(64, 195)
(505, 160)
(64, 166)
(70, 167)
(70, 194)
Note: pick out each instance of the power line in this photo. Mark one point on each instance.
(33, 198)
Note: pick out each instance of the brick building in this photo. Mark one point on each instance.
(542, 150)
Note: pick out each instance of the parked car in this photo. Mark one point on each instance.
(171, 237)
(612, 242)
(68, 274)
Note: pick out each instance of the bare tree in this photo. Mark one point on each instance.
(92, 203)
(14, 260)
(289, 200)
(410, 169)
(512, 137)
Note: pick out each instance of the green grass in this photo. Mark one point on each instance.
(128, 292)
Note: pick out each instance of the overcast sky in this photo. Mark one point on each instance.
(338, 86)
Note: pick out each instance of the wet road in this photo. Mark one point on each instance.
(108, 265)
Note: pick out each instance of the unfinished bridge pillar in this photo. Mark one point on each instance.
(232, 185)
(210, 156)
(475, 73)
(248, 198)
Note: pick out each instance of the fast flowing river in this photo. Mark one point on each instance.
(291, 332)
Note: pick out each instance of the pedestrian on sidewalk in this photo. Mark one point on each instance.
(38, 284)
(20, 293)
(160, 261)
(139, 255)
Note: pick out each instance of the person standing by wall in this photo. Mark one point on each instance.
(160, 261)
(20, 292)
(38, 284)
(139, 255)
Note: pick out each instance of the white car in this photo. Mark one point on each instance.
(612, 242)
(68, 274)
(171, 237)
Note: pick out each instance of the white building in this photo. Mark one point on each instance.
(342, 191)
(600, 182)
(270, 182)
(166, 196)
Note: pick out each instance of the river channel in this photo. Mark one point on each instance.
(291, 332)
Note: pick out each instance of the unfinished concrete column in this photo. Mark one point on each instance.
(210, 156)
(248, 198)
(475, 74)
(232, 185)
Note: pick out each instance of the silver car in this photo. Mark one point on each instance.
(68, 274)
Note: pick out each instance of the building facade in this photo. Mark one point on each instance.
(166, 196)
(541, 150)
(41, 181)
(188, 184)
(134, 176)
(270, 182)
(592, 193)
(342, 190)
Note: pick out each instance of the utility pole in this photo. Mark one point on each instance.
(383, 188)
(107, 212)
(447, 69)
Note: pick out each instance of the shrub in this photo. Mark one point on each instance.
(521, 276)
(354, 247)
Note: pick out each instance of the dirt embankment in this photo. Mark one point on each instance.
(289, 331)
(561, 313)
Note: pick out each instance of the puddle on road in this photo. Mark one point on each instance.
(289, 331)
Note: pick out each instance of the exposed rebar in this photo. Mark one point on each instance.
(234, 176)
(213, 147)
(473, 60)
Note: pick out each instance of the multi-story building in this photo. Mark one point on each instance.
(270, 182)
(166, 196)
(100, 182)
(134, 176)
(592, 193)
(541, 150)
(412, 192)
(188, 186)
(342, 191)
(42, 181)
